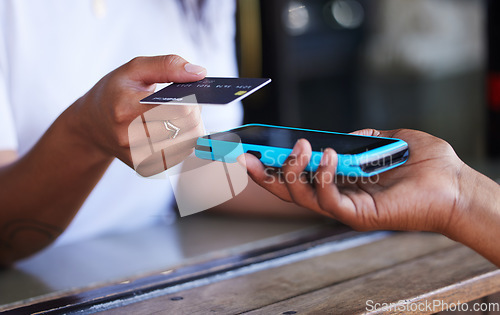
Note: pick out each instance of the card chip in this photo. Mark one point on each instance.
(240, 93)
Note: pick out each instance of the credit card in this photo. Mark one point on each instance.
(209, 91)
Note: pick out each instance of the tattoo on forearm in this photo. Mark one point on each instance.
(14, 229)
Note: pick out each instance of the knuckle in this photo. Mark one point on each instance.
(323, 204)
(297, 200)
(120, 114)
(171, 60)
(136, 62)
(122, 110)
(328, 207)
(122, 139)
(287, 199)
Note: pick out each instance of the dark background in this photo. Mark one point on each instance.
(392, 64)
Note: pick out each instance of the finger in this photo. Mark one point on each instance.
(161, 69)
(295, 179)
(378, 133)
(397, 133)
(329, 197)
(367, 132)
(265, 177)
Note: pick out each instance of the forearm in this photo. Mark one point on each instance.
(47, 186)
(479, 213)
(41, 192)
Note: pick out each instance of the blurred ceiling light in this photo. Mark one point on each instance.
(296, 18)
(347, 13)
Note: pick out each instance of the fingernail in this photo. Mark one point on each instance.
(325, 159)
(296, 150)
(194, 69)
(241, 160)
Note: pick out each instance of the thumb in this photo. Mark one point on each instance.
(164, 69)
(366, 132)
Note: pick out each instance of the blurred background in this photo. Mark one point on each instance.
(336, 65)
(342, 65)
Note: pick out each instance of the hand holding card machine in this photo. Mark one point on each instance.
(357, 155)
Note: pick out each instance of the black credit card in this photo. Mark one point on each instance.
(209, 91)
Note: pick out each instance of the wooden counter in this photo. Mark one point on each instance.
(402, 268)
(322, 269)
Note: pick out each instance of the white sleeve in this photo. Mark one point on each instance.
(222, 63)
(222, 33)
(8, 136)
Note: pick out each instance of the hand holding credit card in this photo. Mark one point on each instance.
(165, 138)
(209, 91)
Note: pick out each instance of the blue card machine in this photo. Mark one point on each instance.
(358, 156)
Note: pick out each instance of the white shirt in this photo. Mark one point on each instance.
(53, 51)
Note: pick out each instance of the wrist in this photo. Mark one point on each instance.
(464, 208)
(476, 213)
(79, 133)
(460, 220)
